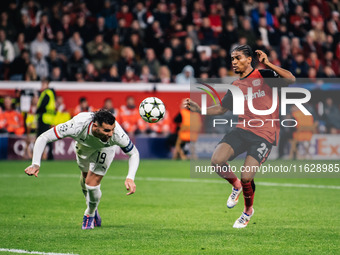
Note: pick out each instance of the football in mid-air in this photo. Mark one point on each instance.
(152, 109)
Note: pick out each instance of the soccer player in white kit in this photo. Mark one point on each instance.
(96, 134)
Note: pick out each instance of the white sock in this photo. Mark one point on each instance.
(82, 184)
(93, 196)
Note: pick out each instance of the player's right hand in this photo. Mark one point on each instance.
(191, 105)
(130, 186)
(32, 170)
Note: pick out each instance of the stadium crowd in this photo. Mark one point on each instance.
(163, 41)
(166, 41)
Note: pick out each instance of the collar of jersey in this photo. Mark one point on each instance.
(247, 74)
(89, 130)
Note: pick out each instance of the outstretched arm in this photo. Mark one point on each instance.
(39, 146)
(212, 110)
(133, 167)
(288, 76)
(58, 132)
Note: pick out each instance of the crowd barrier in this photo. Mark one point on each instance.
(97, 92)
(14, 147)
(322, 147)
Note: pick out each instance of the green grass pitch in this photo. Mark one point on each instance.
(167, 215)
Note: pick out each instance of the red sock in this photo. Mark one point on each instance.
(229, 176)
(248, 194)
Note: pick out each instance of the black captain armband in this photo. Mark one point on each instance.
(128, 148)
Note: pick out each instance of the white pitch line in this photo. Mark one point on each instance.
(185, 180)
(33, 252)
(274, 184)
(297, 185)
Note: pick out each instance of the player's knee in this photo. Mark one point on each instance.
(216, 161)
(93, 179)
(246, 179)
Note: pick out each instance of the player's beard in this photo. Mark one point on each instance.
(102, 137)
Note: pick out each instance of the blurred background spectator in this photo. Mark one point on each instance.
(31, 123)
(129, 119)
(189, 125)
(83, 106)
(108, 105)
(303, 132)
(331, 116)
(155, 33)
(186, 75)
(62, 114)
(11, 121)
(46, 111)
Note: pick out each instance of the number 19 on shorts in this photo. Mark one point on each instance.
(101, 157)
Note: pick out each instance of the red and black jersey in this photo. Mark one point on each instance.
(262, 100)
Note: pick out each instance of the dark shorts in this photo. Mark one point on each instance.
(244, 141)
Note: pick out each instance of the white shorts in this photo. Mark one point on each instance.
(96, 160)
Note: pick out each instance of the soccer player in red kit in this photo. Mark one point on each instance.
(257, 142)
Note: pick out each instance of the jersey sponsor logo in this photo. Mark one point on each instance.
(128, 148)
(259, 93)
(256, 82)
(239, 98)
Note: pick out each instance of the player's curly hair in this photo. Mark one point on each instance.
(103, 116)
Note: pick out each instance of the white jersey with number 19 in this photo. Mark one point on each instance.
(92, 153)
(80, 129)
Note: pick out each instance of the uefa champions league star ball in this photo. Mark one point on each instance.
(152, 109)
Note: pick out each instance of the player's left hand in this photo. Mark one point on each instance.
(130, 186)
(263, 58)
(32, 170)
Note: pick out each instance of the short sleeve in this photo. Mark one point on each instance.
(267, 73)
(227, 101)
(270, 76)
